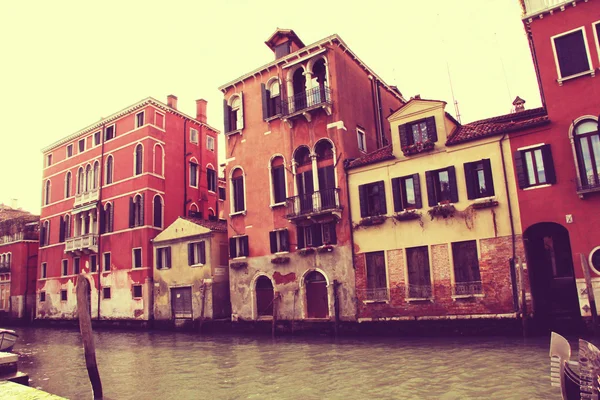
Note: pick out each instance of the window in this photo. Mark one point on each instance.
(317, 234)
(467, 280)
(419, 279)
(571, 51)
(211, 178)
(64, 268)
(93, 263)
(109, 133)
(595, 259)
(70, 151)
(193, 174)
(63, 295)
(222, 194)
(478, 177)
(362, 142)
(109, 170)
(210, 143)
(157, 212)
(441, 186)
(136, 258)
(68, 185)
(106, 262)
(106, 292)
(407, 193)
(194, 135)
(271, 99)
(137, 291)
(97, 138)
(587, 150)
(64, 228)
(48, 160)
(96, 175)
(138, 159)
(193, 211)
(88, 178)
(47, 193)
(418, 132)
(163, 257)
(45, 234)
(80, 181)
(237, 188)
(535, 166)
(372, 199)
(159, 120)
(42, 297)
(233, 114)
(81, 145)
(279, 241)
(107, 218)
(76, 265)
(136, 211)
(376, 276)
(196, 253)
(44, 271)
(139, 119)
(238, 246)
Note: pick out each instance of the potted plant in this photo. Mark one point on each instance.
(326, 248)
(306, 251)
(238, 264)
(407, 215)
(280, 260)
(374, 220)
(417, 147)
(445, 210)
(485, 204)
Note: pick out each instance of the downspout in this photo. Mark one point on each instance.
(512, 230)
(26, 279)
(346, 163)
(185, 167)
(100, 184)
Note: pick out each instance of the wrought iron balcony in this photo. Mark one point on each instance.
(86, 197)
(591, 184)
(533, 7)
(4, 267)
(85, 243)
(418, 291)
(467, 288)
(374, 294)
(320, 202)
(300, 103)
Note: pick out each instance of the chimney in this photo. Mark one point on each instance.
(519, 104)
(14, 203)
(201, 110)
(172, 101)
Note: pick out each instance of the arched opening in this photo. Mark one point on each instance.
(587, 149)
(80, 181)
(304, 179)
(238, 201)
(96, 174)
(158, 211)
(319, 81)
(299, 88)
(264, 296)
(551, 273)
(47, 193)
(68, 185)
(158, 160)
(138, 159)
(109, 170)
(317, 304)
(325, 167)
(278, 186)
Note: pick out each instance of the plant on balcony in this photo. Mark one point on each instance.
(442, 210)
(238, 264)
(280, 260)
(306, 251)
(485, 204)
(370, 221)
(417, 147)
(407, 215)
(326, 248)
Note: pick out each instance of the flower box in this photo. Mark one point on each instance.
(407, 215)
(485, 204)
(280, 260)
(327, 248)
(306, 251)
(238, 264)
(418, 147)
(442, 210)
(370, 221)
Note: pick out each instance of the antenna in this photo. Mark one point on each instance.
(456, 111)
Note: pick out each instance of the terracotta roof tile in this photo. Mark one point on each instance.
(217, 226)
(382, 154)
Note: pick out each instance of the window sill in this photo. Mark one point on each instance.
(419, 299)
(467, 296)
(537, 186)
(238, 213)
(234, 132)
(277, 205)
(198, 265)
(376, 301)
(591, 72)
(265, 318)
(273, 117)
(239, 258)
(163, 269)
(281, 253)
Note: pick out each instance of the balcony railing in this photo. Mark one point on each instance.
(418, 291)
(19, 236)
(374, 294)
(305, 100)
(591, 184)
(80, 243)
(313, 203)
(86, 197)
(4, 267)
(467, 288)
(536, 6)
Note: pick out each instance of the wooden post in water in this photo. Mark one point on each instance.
(85, 326)
(590, 292)
(203, 303)
(336, 306)
(275, 296)
(523, 296)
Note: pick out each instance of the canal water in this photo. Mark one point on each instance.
(166, 365)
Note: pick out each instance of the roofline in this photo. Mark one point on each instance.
(501, 132)
(414, 99)
(124, 111)
(329, 39)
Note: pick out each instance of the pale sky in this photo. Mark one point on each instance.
(66, 64)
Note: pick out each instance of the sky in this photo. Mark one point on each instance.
(67, 64)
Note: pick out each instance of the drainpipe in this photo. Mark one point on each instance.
(100, 184)
(512, 231)
(346, 163)
(184, 168)
(26, 278)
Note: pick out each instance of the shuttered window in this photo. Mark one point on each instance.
(420, 131)
(193, 174)
(571, 53)
(278, 178)
(237, 184)
(376, 275)
(279, 241)
(197, 253)
(211, 177)
(535, 167)
(372, 199)
(238, 247)
(163, 257)
(317, 234)
(407, 193)
(478, 177)
(441, 186)
(419, 278)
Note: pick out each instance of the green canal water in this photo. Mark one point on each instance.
(166, 365)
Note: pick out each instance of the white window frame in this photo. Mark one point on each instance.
(361, 133)
(163, 119)
(79, 151)
(69, 146)
(137, 125)
(64, 267)
(193, 161)
(210, 143)
(237, 247)
(194, 136)
(278, 233)
(135, 159)
(133, 266)
(68, 185)
(232, 193)
(587, 49)
(161, 254)
(48, 160)
(196, 253)
(209, 166)
(104, 261)
(99, 133)
(112, 170)
(133, 292)
(596, 38)
(44, 270)
(76, 258)
(114, 127)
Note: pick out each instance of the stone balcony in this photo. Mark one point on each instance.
(85, 243)
(90, 196)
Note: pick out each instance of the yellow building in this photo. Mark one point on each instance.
(435, 218)
(191, 276)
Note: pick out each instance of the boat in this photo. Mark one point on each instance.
(577, 379)
(8, 338)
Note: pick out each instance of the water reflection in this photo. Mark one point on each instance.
(163, 365)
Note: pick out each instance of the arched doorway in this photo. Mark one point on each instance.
(551, 272)
(264, 296)
(299, 86)
(317, 305)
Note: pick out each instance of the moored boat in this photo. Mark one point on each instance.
(8, 338)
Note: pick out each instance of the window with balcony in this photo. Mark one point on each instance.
(478, 177)
(372, 199)
(197, 253)
(278, 187)
(279, 240)
(157, 208)
(81, 145)
(64, 271)
(163, 257)
(441, 186)
(238, 191)
(70, 151)
(193, 174)
(233, 112)
(586, 137)
(68, 185)
(136, 211)
(534, 166)
(362, 140)
(407, 193)
(316, 234)
(377, 289)
(419, 278)
(109, 169)
(106, 293)
(109, 133)
(211, 179)
(418, 136)
(572, 53)
(138, 159)
(238, 246)
(47, 193)
(76, 265)
(93, 263)
(271, 99)
(136, 258)
(106, 262)
(63, 295)
(467, 280)
(139, 119)
(193, 135)
(210, 143)
(44, 270)
(137, 291)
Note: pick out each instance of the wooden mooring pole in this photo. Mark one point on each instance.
(85, 327)
(203, 305)
(590, 292)
(336, 307)
(275, 296)
(523, 296)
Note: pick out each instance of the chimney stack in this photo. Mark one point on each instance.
(201, 110)
(172, 101)
(519, 104)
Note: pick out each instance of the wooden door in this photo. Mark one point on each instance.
(317, 305)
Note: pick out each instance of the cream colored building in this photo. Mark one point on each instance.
(191, 273)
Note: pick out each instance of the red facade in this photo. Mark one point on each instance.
(108, 190)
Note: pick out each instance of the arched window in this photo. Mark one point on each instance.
(326, 174)
(107, 218)
(211, 178)
(136, 211)
(138, 159)
(8, 259)
(587, 149)
(68, 184)
(109, 170)
(66, 229)
(80, 181)
(158, 211)
(271, 99)
(96, 174)
(194, 212)
(211, 215)
(47, 193)
(278, 187)
(158, 160)
(319, 89)
(45, 234)
(88, 178)
(234, 113)
(238, 203)
(299, 89)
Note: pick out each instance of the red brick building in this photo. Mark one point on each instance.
(108, 190)
(19, 232)
(558, 167)
(289, 126)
